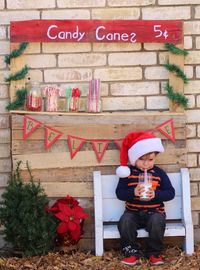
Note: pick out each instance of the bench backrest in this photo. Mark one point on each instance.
(112, 208)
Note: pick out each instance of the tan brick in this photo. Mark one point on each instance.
(194, 189)
(2, 32)
(194, 174)
(116, 14)
(191, 101)
(195, 218)
(195, 203)
(3, 104)
(81, 60)
(80, 3)
(70, 14)
(2, 63)
(134, 88)
(192, 116)
(41, 61)
(35, 75)
(5, 135)
(193, 145)
(163, 57)
(153, 73)
(193, 87)
(62, 47)
(192, 58)
(191, 160)
(189, 72)
(2, 4)
(197, 12)
(5, 47)
(4, 91)
(198, 130)
(154, 46)
(24, 4)
(132, 59)
(122, 3)
(4, 121)
(5, 165)
(67, 75)
(197, 42)
(119, 47)
(177, 2)
(118, 74)
(84, 88)
(157, 103)
(123, 103)
(198, 101)
(191, 131)
(166, 13)
(4, 178)
(3, 74)
(198, 71)
(7, 16)
(4, 150)
(33, 47)
(192, 28)
(187, 42)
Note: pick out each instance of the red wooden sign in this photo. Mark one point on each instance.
(97, 31)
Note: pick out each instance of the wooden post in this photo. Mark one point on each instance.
(176, 82)
(16, 64)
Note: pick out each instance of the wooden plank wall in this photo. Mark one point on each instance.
(59, 175)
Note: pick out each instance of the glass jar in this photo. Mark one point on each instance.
(34, 97)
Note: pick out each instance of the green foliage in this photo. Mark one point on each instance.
(176, 96)
(173, 49)
(20, 100)
(16, 53)
(177, 70)
(27, 225)
(18, 75)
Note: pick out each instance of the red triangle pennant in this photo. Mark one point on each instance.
(99, 147)
(51, 136)
(118, 142)
(75, 144)
(30, 125)
(167, 129)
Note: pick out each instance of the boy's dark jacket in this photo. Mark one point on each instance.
(161, 184)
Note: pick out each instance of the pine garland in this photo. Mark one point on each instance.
(19, 101)
(173, 49)
(18, 75)
(176, 96)
(176, 69)
(16, 53)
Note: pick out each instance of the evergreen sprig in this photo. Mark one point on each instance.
(15, 53)
(176, 97)
(27, 225)
(19, 101)
(18, 75)
(177, 70)
(173, 49)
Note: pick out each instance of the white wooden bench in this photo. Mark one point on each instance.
(108, 210)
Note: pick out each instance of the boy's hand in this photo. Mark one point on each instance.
(140, 188)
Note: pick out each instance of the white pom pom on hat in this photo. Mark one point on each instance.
(134, 146)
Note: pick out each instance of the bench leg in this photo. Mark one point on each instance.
(99, 246)
(188, 245)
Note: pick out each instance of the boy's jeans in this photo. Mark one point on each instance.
(153, 222)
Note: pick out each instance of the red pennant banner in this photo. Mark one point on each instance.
(51, 136)
(30, 125)
(118, 142)
(167, 129)
(99, 147)
(75, 144)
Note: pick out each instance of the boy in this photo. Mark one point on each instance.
(141, 148)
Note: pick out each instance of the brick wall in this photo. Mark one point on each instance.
(132, 74)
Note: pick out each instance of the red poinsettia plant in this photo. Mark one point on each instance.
(70, 216)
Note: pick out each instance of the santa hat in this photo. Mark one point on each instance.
(134, 146)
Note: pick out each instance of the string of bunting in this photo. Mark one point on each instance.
(75, 143)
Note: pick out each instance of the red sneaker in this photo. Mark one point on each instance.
(132, 260)
(156, 260)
